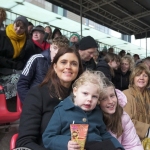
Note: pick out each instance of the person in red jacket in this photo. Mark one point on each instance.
(37, 44)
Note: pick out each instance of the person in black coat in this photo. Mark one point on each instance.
(121, 78)
(87, 48)
(12, 44)
(108, 64)
(39, 104)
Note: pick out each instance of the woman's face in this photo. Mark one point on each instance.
(67, 68)
(74, 39)
(57, 34)
(125, 66)
(108, 102)
(38, 36)
(19, 28)
(48, 30)
(113, 64)
(141, 81)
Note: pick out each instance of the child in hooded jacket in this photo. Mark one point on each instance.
(118, 121)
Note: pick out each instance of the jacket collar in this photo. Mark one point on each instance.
(47, 55)
(67, 103)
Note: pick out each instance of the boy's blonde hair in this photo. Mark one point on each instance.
(61, 41)
(94, 77)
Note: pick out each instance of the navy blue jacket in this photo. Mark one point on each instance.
(33, 73)
(57, 134)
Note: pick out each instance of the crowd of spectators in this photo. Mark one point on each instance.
(42, 66)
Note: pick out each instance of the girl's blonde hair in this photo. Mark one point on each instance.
(130, 61)
(94, 77)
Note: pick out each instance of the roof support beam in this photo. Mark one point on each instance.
(140, 32)
(137, 16)
(118, 21)
(114, 19)
(107, 17)
(139, 5)
(75, 9)
(129, 15)
(99, 4)
(94, 11)
(107, 24)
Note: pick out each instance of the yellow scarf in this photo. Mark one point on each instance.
(17, 40)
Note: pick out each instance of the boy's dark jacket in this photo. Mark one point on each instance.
(33, 73)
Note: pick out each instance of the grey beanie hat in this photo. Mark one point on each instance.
(23, 19)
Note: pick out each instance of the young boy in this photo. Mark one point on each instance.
(37, 66)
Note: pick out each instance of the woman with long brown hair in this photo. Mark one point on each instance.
(117, 121)
(40, 101)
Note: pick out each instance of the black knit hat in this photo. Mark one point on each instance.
(23, 19)
(38, 28)
(87, 42)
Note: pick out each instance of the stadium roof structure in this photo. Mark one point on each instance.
(45, 17)
(130, 17)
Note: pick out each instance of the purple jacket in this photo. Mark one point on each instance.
(129, 139)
